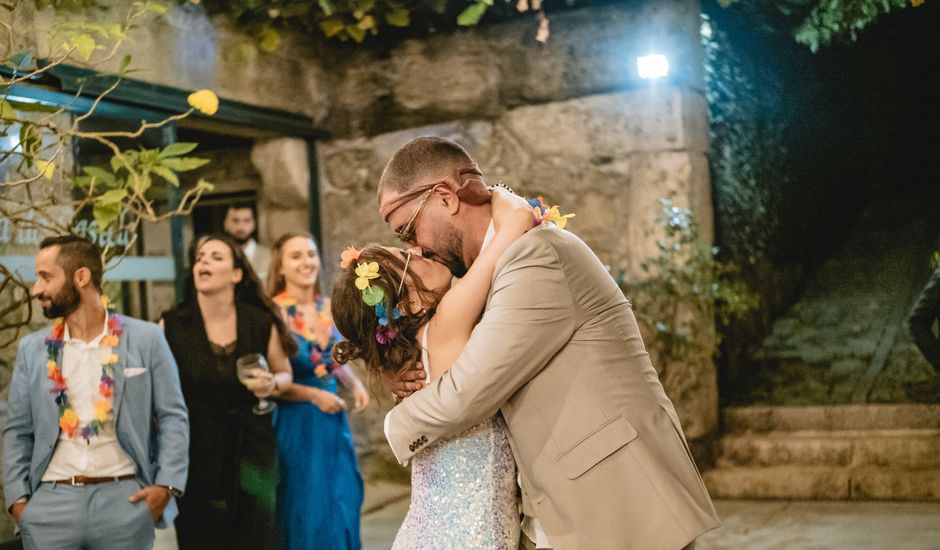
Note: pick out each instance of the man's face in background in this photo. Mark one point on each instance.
(239, 224)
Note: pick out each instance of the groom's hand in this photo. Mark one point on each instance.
(406, 382)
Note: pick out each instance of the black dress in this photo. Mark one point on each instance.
(230, 492)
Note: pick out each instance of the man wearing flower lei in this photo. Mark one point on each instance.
(602, 460)
(95, 448)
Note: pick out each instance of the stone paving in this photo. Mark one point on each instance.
(764, 525)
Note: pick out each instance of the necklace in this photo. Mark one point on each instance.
(103, 416)
(318, 331)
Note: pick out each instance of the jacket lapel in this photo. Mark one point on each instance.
(118, 374)
(49, 411)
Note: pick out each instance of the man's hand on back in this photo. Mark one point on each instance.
(406, 382)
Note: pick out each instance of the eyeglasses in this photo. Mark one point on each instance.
(404, 271)
(407, 232)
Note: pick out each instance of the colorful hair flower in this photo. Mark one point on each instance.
(349, 256)
(539, 203)
(365, 272)
(545, 213)
(384, 334)
(373, 295)
(382, 313)
(555, 216)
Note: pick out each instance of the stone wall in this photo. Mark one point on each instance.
(483, 72)
(609, 158)
(569, 120)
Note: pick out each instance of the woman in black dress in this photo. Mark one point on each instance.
(229, 500)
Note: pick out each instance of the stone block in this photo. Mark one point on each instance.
(452, 74)
(831, 417)
(285, 172)
(817, 449)
(274, 222)
(895, 484)
(792, 482)
(899, 449)
(613, 125)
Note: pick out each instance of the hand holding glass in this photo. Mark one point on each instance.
(246, 368)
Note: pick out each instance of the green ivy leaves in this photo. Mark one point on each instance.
(685, 286)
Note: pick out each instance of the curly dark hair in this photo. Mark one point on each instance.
(357, 321)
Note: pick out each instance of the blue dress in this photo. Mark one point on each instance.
(319, 492)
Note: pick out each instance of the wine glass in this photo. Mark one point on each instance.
(243, 368)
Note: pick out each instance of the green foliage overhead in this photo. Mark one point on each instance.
(819, 23)
(358, 20)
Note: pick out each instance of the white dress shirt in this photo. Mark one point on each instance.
(102, 455)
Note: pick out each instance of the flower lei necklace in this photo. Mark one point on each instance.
(318, 331)
(104, 413)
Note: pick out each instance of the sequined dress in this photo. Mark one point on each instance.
(463, 491)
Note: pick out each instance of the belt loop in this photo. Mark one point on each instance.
(54, 483)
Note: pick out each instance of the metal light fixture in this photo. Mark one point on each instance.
(652, 66)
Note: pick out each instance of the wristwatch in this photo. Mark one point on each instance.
(174, 492)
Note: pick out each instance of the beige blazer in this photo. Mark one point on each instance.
(602, 457)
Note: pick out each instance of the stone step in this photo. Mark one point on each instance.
(872, 483)
(796, 482)
(830, 417)
(824, 483)
(895, 448)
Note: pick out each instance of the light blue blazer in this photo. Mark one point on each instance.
(151, 417)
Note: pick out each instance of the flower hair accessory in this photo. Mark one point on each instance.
(545, 213)
(365, 272)
(349, 256)
(373, 296)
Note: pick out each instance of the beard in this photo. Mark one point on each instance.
(241, 241)
(64, 302)
(450, 251)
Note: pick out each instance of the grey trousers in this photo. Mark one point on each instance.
(93, 517)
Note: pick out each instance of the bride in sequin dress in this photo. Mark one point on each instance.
(464, 492)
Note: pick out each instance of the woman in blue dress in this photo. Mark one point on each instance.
(319, 492)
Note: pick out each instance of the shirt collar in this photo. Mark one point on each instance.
(95, 342)
(250, 247)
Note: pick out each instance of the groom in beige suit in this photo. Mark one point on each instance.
(602, 459)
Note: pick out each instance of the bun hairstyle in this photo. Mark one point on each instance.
(359, 324)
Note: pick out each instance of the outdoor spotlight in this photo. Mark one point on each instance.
(652, 66)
